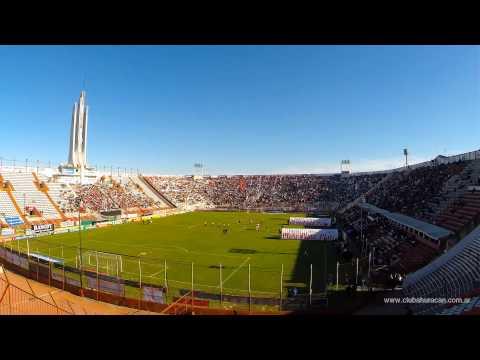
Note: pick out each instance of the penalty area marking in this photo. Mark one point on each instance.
(234, 271)
(145, 246)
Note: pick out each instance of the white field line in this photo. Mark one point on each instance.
(213, 254)
(157, 273)
(234, 271)
(167, 248)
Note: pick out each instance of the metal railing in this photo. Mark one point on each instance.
(17, 301)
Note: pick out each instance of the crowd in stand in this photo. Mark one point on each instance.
(130, 195)
(181, 190)
(393, 250)
(263, 191)
(411, 192)
(105, 195)
(67, 202)
(343, 189)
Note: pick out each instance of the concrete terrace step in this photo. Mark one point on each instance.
(448, 226)
(467, 212)
(452, 218)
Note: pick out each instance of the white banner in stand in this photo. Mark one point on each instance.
(73, 282)
(60, 231)
(8, 231)
(305, 221)
(153, 294)
(111, 287)
(309, 234)
(15, 259)
(23, 263)
(57, 276)
(9, 257)
(67, 223)
(91, 282)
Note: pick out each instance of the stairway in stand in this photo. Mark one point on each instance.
(43, 187)
(26, 193)
(151, 191)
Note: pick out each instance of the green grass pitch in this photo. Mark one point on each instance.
(198, 237)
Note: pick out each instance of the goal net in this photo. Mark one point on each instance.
(105, 263)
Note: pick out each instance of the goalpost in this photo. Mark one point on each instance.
(107, 263)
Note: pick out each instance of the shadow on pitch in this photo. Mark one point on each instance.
(252, 251)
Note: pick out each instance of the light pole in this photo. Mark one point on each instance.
(344, 166)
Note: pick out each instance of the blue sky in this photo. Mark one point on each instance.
(242, 109)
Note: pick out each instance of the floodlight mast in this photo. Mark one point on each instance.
(344, 166)
(199, 166)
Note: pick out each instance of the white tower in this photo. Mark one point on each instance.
(77, 155)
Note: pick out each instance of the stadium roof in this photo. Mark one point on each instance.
(436, 264)
(432, 231)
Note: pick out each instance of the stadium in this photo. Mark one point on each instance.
(149, 243)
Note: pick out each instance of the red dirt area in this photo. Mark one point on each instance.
(38, 297)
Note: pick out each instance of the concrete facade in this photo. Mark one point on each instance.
(77, 155)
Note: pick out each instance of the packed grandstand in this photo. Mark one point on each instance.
(419, 224)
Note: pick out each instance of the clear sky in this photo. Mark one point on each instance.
(242, 109)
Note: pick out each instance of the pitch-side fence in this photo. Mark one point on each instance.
(155, 284)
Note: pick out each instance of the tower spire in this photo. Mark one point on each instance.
(78, 133)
